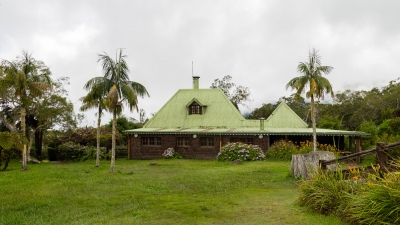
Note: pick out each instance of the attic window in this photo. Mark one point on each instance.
(195, 108)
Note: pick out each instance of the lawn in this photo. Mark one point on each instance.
(175, 191)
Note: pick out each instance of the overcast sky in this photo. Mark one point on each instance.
(258, 43)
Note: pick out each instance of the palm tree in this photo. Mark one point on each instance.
(26, 77)
(95, 99)
(120, 90)
(318, 85)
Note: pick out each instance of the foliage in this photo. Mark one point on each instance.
(10, 145)
(70, 151)
(123, 124)
(169, 153)
(284, 149)
(117, 88)
(21, 81)
(318, 85)
(358, 198)
(238, 95)
(85, 136)
(384, 128)
(237, 150)
(91, 153)
(325, 192)
(263, 112)
(370, 128)
(395, 125)
(329, 122)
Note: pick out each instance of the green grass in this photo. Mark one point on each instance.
(172, 192)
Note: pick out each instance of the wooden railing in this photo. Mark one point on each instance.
(381, 151)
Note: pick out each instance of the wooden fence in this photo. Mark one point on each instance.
(121, 152)
(381, 152)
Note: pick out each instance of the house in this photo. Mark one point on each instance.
(197, 122)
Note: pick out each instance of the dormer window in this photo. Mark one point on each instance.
(195, 108)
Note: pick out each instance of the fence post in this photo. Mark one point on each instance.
(381, 154)
(358, 149)
(322, 164)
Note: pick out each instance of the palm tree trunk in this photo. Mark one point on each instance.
(314, 124)
(23, 128)
(28, 154)
(113, 140)
(98, 138)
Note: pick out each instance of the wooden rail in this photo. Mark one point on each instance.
(380, 150)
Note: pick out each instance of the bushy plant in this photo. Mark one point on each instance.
(70, 151)
(237, 150)
(284, 149)
(325, 192)
(308, 146)
(169, 153)
(358, 198)
(91, 153)
(378, 202)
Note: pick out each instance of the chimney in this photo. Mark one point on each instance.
(196, 82)
(262, 123)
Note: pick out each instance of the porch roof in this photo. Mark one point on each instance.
(245, 131)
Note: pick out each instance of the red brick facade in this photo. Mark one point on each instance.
(194, 150)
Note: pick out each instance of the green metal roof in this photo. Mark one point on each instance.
(283, 116)
(246, 131)
(218, 111)
(220, 116)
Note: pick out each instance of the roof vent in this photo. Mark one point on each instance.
(262, 123)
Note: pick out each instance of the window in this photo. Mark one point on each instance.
(151, 141)
(182, 141)
(243, 140)
(207, 141)
(195, 108)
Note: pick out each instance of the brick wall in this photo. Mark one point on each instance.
(195, 150)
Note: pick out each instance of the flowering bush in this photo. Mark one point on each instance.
(169, 153)
(284, 149)
(237, 150)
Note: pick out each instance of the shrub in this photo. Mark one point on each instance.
(70, 151)
(169, 153)
(91, 153)
(238, 150)
(358, 199)
(284, 149)
(325, 192)
(377, 202)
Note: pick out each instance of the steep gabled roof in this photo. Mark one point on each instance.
(197, 101)
(284, 117)
(219, 113)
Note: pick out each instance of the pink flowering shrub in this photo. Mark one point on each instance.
(169, 153)
(238, 150)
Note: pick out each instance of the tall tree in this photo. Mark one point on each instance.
(24, 78)
(95, 98)
(238, 95)
(120, 90)
(312, 77)
(52, 109)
